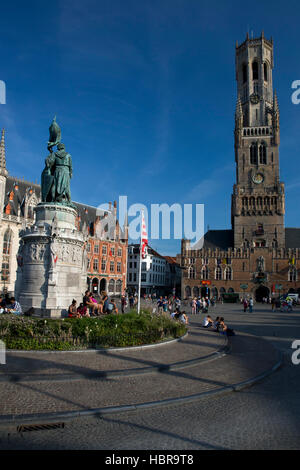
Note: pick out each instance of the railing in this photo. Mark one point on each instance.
(254, 131)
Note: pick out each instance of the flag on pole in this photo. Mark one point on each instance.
(144, 237)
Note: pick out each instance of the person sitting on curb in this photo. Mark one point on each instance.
(176, 312)
(207, 322)
(2, 305)
(83, 311)
(14, 307)
(216, 324)
(72, 311)
(183, 318)
(115, 308)
(87, 302)
(224, 330)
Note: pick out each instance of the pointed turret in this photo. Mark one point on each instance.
(3, 170)
(238, 122)
(276, 125)
(239, 112)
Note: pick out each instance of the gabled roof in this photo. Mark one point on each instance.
(222, 239)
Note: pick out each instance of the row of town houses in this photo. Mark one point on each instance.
(112, 265)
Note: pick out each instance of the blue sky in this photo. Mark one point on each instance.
(145, 94)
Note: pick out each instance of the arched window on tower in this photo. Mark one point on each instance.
(252, 201)
(244, 73)
(255, 70)
(253, 154)
(265, 72)
(263, 154)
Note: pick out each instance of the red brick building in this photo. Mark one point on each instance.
(258, 256)
(107, 254)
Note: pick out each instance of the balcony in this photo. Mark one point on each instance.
(261, 130)
(259, 232)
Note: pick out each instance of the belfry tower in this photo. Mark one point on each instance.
(258, 207)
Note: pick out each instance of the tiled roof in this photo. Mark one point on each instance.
(292, 237)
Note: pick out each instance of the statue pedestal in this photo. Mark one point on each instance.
(52, 267)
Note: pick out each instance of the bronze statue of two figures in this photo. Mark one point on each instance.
(58, 170)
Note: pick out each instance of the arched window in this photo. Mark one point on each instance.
(259, 201)
(292, 275)
(255, 70)
(204, 273)
(274, 243)
(265, 72)
(111, 286)
(253, 154)
(218, 273)
(188, 291)
(222, 291)
(191, 273)
(95, 285)
(246, 243)
(119, 286)
(196, 291)
(244, 73)
(262, 154)
(228, 274)
(7, 242)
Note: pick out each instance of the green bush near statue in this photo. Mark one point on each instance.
(129, 329)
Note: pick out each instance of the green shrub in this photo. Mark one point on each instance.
(128, 329)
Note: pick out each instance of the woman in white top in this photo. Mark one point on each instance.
(207, 322)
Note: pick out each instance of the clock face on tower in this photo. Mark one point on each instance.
(257, 178)
(254, 98)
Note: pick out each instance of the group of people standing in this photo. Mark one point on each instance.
(248, 303)
(200, 304)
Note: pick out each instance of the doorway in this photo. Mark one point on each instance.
(261, 292)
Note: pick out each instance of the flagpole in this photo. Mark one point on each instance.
(140, 266)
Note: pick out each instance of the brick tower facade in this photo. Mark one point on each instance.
(258, 196)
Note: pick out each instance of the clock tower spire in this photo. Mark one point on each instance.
(257, 213)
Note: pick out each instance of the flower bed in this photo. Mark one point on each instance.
(129, 329)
